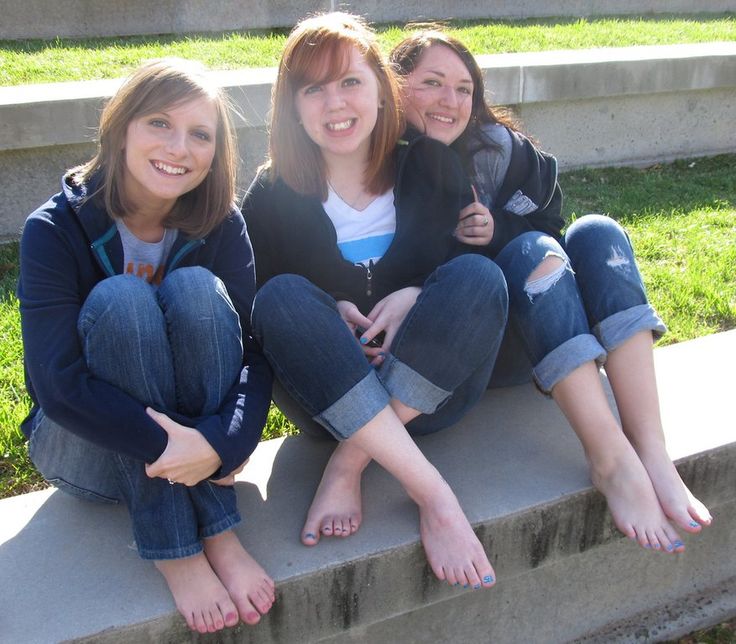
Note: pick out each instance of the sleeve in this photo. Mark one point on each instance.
(255, 210)
(235, 430)
(69, 394)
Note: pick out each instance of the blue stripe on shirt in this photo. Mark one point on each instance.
(361, 250)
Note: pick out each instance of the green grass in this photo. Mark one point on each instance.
(37, 61)
(681, 218)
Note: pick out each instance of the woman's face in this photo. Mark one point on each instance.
(169, 153)
(340, 115)
(438, 94)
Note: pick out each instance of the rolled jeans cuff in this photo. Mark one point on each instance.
(563, 360)
(411, 388)
(355, 408)
(619, 327)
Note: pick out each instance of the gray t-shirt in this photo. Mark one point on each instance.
(145, 259)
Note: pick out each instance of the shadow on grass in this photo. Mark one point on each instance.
(8, 269)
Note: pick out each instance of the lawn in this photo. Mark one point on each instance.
(681, 218)
(39, 61)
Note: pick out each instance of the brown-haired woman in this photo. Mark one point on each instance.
(576, 300)
(142, 250)
(352, 232)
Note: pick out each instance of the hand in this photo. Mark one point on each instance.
(230, 478)
(388, 315)
(188, 457)
(475, 226)
(352, 317)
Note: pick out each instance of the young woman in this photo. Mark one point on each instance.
(576, 300)
(352, 232)
(140, 252)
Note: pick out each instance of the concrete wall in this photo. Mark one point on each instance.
(629, 106)
(91, 18)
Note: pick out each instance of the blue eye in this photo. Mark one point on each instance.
(158, 123)
(204, 136)
(312, 89)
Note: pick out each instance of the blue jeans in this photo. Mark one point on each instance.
(589, 306)
(439, 363)
(177, 348)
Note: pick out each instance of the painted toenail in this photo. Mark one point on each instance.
(670, 547)
(488, 579)
(647, 545)
(309, 535)
(457, 583)
(476, 587)
(694, 524)
(679, 544)
(466, 585)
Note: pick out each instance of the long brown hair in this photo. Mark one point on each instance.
(153, 87)
(323, 43)
(406, 56)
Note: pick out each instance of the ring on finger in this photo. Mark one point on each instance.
(171, 482)
(485, 221)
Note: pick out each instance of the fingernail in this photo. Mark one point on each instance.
(488, 579)
(382, 354)
(364, 341)
(694, 524)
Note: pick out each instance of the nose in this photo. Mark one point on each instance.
(176, 143)
(448, 96)
(334, 99)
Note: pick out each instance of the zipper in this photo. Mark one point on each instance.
(369, 279)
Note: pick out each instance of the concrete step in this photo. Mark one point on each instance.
(565, 573)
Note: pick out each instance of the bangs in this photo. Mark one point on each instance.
(325, 59)
(169, 93)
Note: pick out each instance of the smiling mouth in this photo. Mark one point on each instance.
(446, 120)
(341, 126)
(170, 170)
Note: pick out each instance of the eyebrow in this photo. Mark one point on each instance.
(206, 126)
(469, 81)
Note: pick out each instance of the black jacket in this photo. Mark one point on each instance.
(291, 233)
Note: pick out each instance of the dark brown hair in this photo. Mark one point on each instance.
(406, 56)
(153, 87)
(323, 43)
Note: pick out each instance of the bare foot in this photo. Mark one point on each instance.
(336, 508)
(453, 551)
(676, 500)
(199, 594)
(636, 511)
(249, 586)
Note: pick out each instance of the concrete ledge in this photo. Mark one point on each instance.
(564, 572)
(68, 18)
(604, 107)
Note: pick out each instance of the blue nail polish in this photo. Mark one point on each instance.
(364, 341)
(670, 548)
(309, 535)
(476, 587)
(647, 545)
(457, 583)
(694, 524)
(466, 585)
(488, 579)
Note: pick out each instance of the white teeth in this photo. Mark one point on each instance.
(338, 127)
(169, 169)
(442, 119)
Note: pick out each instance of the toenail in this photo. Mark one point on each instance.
(309, 535)
(694, 524)
(647, 545)
(466, 585)
(457, 583)
(670, 547)
(488, 579)
(476, 587)
(679, 544)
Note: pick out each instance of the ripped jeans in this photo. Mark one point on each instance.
(580, 311)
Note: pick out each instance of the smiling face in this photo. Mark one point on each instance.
(339, 115)
(169, 153)
(438, 94)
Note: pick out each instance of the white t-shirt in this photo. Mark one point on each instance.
(362, 235)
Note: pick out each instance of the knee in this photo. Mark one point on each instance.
(283, 298)
(594, 230)
(477, 282)
(191, 291)
(121, 295)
